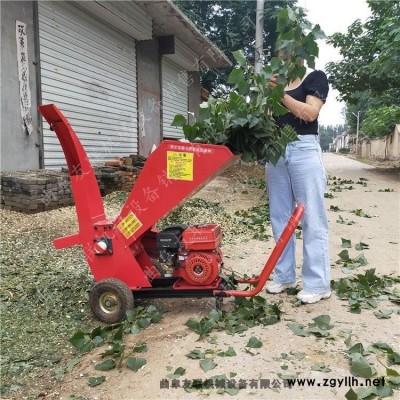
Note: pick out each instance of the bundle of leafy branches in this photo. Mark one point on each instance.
(243, 120)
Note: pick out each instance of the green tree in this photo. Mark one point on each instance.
(327, 133)
(368, 76)
(382, 121)
(371, 56)
(231, 26)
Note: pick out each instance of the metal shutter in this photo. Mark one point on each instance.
(89, 71)
(174, 97)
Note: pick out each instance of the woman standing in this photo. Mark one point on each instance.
(300, 177)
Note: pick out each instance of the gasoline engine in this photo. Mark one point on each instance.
(194, 251)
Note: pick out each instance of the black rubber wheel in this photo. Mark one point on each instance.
(109, 300)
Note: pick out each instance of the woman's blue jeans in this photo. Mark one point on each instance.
(300, 177)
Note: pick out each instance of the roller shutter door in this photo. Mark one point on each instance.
(88, 70)
(174, 97)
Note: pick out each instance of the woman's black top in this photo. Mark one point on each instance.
(314, 84)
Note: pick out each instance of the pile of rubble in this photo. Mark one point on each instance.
(40, 190)
(33, 191)
(123, 170)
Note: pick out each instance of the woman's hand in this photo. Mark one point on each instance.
(273, 81)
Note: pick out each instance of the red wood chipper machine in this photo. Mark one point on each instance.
(122, 253)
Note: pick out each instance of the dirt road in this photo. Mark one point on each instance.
(282, 351)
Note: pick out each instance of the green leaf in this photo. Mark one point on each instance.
(232, 391)
(239, 57)
(383, 314)
(141, 347)
(179, 120)
(135, 329)
(215, 315)
(96, 380)
(351, 395)
(344, 256)
(213, 340)
(323, 322)
(383, 391)
(320, 367)
(135, 363)
(228, 353)
(116, 350)
(381, 345)
(391, 372)
(79, 340)
(201, 327)
(298, 355)
(361, 246)
(394, 380)
(98, 340)
(236, 76)
(204, 112)
(207, 364)
(360, 259)
(117, 336)
(254, 343)
(195, 355)
(177, 374)
(346, 243)
(318, 331)
(357, 348)
(243, 87)
(144, 322)
(318, 32)
(359, 366)
(105, 365)
(71, 364)
(298, 330)
(393, 357)
(366, 392)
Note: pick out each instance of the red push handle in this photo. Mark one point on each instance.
(272, 260)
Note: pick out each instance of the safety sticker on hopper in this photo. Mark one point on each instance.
(129, 225)
(180, 165)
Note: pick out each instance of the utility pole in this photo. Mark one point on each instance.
(358, 130)
(259, 53)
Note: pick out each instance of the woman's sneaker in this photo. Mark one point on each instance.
(310, 298)
(275, 287)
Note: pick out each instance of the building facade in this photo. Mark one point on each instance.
(119, 71)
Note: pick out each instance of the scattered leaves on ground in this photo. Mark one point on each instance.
(319, 328)
(246, 314)
(96, 380)
(342, 221)
(360, 213)
(365, 290)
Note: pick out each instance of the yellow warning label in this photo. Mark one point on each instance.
(180, 165)
(129, 225)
